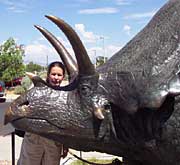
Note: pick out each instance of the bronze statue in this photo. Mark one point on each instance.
(127, 107)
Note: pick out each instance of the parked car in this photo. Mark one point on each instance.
(2, 92)
(14, 82)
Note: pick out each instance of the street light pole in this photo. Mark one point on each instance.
(47, 60)
(95, 56)
(103, 47)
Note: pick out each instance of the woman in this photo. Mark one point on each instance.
(37, 150)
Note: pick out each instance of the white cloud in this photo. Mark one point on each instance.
(44, 40)
(65, 43)
(112, 49)
(94, 52)
(140, 15)
(87, 37)
(105, 10)
(38, 53)
(123, 2)
(127, 29)
(13, 9)
(41, 52)
(108, 51)
(19, 6)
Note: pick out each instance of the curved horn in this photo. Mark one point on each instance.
(67, 59)
(84, 63)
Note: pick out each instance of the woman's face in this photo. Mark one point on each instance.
(56, 76)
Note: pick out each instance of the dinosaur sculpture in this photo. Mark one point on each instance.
(128, 107)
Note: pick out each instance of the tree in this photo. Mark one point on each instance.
(11, 60)
(31, 67)
(100, 60)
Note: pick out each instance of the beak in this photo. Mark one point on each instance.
(98, 113)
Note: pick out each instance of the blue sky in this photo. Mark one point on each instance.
(104, 26)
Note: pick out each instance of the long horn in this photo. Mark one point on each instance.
(84, 63)
(67, 59)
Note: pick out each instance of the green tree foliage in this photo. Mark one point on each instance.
(11, 60)
(100, 60)
(31, 67)
(93, 160)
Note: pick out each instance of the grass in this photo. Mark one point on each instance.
(93, 160)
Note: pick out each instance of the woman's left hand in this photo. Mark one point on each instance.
(64, 152)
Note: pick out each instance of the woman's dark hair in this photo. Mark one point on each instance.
(53, 64)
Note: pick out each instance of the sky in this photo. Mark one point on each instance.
(104, 26)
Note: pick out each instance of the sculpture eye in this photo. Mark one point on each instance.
(86, 90)
(107, 106)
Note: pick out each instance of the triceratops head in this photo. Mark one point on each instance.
(80, 110)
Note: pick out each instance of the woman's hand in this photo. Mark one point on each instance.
(64, 152)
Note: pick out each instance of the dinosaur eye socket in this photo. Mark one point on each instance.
(107, 106)
(86, 90)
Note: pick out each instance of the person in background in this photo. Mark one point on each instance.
(35, 149)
